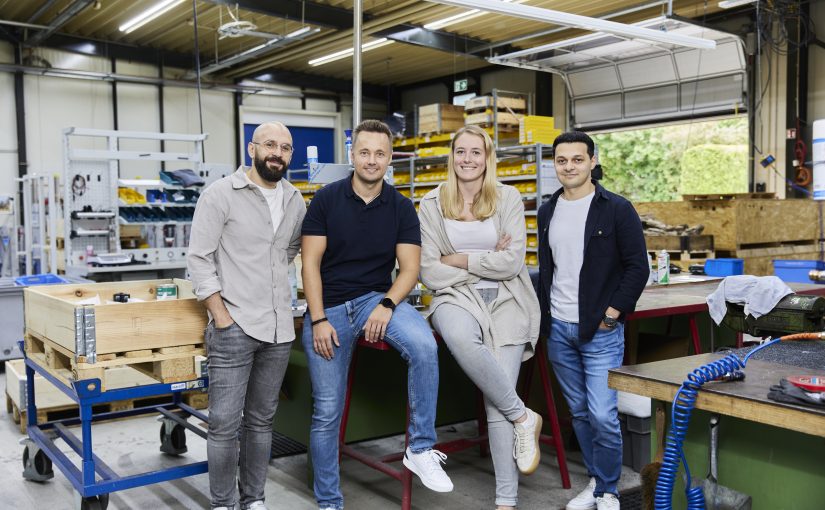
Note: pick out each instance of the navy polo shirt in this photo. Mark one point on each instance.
(361, 238)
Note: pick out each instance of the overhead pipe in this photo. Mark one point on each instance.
(356, 62)
(61, 19)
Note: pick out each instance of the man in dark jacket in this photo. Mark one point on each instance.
(593, 268)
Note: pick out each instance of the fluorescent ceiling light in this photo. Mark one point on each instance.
(148, 15)
(338, 55)
(456, 18)
(462, 16)
(583, 22)
(299, 32)
(730, 4)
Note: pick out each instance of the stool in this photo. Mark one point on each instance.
(554, 439)
(383, 463)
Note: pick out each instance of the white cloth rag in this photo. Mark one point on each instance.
(759, 294)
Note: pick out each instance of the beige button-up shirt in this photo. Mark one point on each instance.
(234, 250)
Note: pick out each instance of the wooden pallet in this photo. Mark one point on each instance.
(686, 255)
(679, 243)
(730, 196)
(194, 399)
(164, 364)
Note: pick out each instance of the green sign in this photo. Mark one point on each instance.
(460, 85)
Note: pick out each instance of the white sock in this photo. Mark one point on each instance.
(530, 421)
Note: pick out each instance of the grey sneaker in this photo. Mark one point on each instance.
(585, 500)
(526, 444)
(607, 501)
(427, 465)
(257, 505)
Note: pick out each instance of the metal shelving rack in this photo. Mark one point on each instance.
(92, 206)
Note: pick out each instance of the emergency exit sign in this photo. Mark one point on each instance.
(460, 85)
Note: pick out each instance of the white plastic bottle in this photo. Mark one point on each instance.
(663, 267)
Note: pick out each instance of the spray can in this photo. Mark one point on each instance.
(348, 145)
(312, 161)
(663, 267)
(818, 157)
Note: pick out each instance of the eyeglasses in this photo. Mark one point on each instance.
(270, 146)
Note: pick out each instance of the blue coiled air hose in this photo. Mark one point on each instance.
(727, 367)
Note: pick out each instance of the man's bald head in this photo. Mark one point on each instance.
(267, 128)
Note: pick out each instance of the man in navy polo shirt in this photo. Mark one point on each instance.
(353, 233)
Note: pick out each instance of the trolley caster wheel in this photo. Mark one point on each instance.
(172, 438)
(92, 503)
(37, 466)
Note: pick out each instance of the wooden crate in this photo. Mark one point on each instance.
(54, 404)
(440, 118)
(488, 118)
(679, 243)
(502, 103)
(742, 223)
(119, 327)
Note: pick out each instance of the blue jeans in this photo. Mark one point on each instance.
(581, 369)
(409, 334)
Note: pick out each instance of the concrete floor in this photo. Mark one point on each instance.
(131, 446)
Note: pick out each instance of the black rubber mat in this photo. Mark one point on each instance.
(631, 499)
(283, 446)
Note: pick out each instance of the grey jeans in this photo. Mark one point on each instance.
(495, 374)
(245, 378)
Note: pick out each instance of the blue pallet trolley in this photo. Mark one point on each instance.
(41, 452)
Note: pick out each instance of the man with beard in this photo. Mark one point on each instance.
(245, 232)
(354, 231)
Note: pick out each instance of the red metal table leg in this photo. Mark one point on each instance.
(554, 420)
(694, 334)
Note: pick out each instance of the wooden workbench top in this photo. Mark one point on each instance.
(746, 399)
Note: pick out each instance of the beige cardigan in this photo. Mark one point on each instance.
(514, 318)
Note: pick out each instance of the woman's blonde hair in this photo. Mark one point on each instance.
(484, 206)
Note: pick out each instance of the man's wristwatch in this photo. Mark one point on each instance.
(609, 321)
(387, 303)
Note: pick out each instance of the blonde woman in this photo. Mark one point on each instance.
(473, 242)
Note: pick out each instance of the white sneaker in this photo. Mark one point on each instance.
(256, 505)
(427, 465)
(607, 502)
(585, 500)
(526, 444)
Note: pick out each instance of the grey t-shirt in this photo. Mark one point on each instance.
(566, 240)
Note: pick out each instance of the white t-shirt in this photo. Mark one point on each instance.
(566, 240)
(275, 201)
(473, 237)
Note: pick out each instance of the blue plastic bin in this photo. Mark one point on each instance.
(796, 270)
(724, 267)
(39, 279)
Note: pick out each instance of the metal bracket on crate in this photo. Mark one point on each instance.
(84, 333)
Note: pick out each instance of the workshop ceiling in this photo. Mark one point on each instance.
(414, 55)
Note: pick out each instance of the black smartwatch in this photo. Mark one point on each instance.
(387, 303)
(609, 321)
